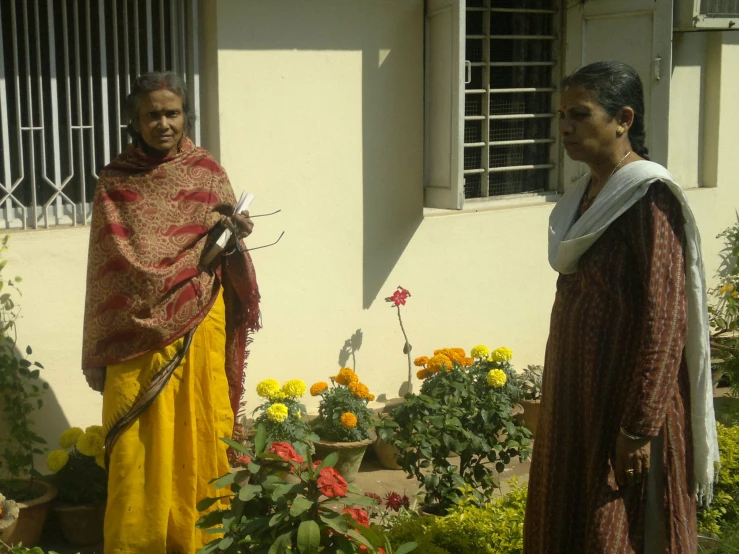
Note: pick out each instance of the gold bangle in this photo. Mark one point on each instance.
(630, 436)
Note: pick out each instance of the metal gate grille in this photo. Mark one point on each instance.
(66, 67)
(508, 96)
(720, 8)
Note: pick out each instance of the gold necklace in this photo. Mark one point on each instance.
(590, 194)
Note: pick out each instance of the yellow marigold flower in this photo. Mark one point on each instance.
(735, 294)
(723, 289)
(421, 361)
(277, 412)
(438, 361)
(95, 429)
(467, 362)
(496, 378)
(268, 388)
(56, 460)
(422, 373)
(348, 420)
(346, 376)
(100, 460)
(70, 437)
(91, 444)
(371, 397)
(480, 351)
(501, 354)
(295, 388)
(318, 388)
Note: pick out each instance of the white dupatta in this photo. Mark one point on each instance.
(568, 241)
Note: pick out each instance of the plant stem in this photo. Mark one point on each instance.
(407, 349)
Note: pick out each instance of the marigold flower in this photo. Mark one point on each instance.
(95, 429)
(268, 388)
(56, 460)
(497, 378)
(331, 483)
(422, 373)
(9, 512)
(277, 412)
(70, 437)
(91, 444)
(348, 420)
(480, 351)
(294, 388)
(458, 353)
(437, 362)
(346, 376)
(467, 362)
(399, 297)
(359, 390)
(501, 354)
(318, 388)
(358, 515)
(421, 361)
(735, 294)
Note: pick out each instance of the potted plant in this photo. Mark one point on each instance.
(465, 406)
(258, 511)
(82, 481)
(21, 392)
(529, 382)
(344, 423)
(282, 412)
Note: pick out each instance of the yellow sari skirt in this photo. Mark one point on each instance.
(161, 466)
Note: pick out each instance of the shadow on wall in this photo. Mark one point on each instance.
(390, 36)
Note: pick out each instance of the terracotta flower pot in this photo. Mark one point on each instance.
(31, 518)
(81, 525)
(387, 454)
(350, 455)
(530, 415)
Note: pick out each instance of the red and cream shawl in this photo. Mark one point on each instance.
(150, 222)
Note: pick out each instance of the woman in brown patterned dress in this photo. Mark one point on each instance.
(626, 435)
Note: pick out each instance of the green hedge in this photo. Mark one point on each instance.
(724, 510)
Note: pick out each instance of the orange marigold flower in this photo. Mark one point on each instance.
(467, 362)
(348, 420)
(422, 373)
(459, 352)
(346, 376)
(359, 390)
(438, 361)
(318, 388)
(421, 361)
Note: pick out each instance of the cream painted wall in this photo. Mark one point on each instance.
(319, 112)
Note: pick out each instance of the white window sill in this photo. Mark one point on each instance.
(475, 205)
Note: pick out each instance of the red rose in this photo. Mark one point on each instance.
(358, 515)
(285, 451)
(331, 483)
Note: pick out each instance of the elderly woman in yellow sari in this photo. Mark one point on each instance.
(165, 337)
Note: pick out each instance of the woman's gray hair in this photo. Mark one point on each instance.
(150, 82)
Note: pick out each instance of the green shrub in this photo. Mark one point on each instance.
(496, 528)
(725, 507)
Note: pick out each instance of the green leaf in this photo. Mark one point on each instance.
(225, 481)
(300, 505)
(309, 537)
(336, 522)
(260, 440)
(206, 503)
(29, 351)
(225, 543)
(329, 461)
(281, 544)
(407, 547)
(248, 492)
(236, 445)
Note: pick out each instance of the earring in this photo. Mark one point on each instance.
(620, 131)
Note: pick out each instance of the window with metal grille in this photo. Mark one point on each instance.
(66, 67)
(720, 8)
(510, 78)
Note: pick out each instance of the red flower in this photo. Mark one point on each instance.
(363, 548)
(358, 515)
(243, 460)
(285, 451)
(374, 496)
(331, 483)
(394, 501)
(399, 297)
(317, 463)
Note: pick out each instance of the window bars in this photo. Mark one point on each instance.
(508, 96)
(720, 8)
(66, 67)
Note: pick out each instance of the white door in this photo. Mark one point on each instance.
(638, 33)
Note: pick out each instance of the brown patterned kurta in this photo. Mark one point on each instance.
(615, 357)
